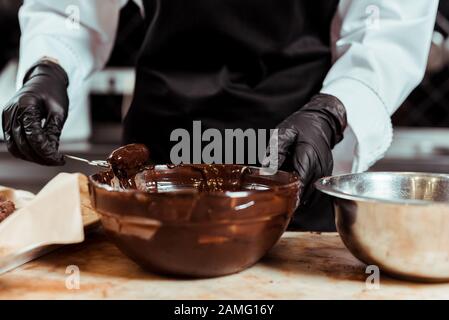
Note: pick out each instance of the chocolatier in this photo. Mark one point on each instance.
(307, 68)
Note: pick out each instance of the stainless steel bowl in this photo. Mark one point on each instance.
(397, 221)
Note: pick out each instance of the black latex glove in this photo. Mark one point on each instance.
(34, 117)
(306, 138)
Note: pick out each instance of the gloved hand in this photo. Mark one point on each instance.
(307, 137)
(34, 117)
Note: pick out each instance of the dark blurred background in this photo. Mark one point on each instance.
(9, 29)
(421, 141)
(428, 105)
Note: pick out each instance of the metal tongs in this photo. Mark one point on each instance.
(96, 163)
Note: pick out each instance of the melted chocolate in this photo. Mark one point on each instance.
(184, 224)
(218, 178)
(127, 161)
(210, 178)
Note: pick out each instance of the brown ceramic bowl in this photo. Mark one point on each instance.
(172, 228)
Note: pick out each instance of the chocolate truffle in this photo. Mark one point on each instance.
(7, 207)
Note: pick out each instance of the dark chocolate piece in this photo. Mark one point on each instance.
(7, 207)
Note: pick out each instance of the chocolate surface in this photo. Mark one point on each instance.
(7, 207)
(128, 160)
(202, 178)
(219, 178)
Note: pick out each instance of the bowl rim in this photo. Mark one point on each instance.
(227, 194)
(324, 185)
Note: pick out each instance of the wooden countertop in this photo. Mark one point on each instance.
(300, 266)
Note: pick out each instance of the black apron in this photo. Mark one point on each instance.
(230, 64)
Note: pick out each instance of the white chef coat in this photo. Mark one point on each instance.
(380, 53)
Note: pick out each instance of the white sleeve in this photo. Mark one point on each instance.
(381, 51)
(78, 33)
